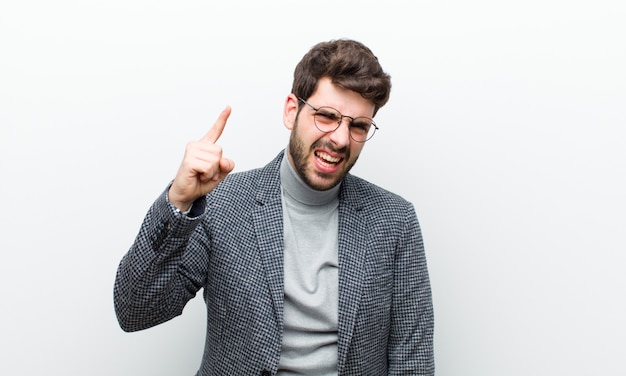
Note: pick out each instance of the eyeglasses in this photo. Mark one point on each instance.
(327, 120)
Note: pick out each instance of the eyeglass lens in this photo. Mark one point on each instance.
(327, 119)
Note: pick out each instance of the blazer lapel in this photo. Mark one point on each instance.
(271, 249)
(268, 224)
(352, 239)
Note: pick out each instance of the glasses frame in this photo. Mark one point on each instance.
(341, 116)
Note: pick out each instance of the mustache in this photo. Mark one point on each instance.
(322, 144)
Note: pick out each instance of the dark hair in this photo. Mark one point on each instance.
(349, 64)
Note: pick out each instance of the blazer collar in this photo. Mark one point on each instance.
(351, 192)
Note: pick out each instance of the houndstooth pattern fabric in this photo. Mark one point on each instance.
(231, 246)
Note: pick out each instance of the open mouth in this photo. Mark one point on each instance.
(326, 159)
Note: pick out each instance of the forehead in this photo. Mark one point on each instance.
(346, 101)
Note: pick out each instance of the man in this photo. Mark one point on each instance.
(306, 269)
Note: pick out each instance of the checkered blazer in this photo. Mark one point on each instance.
(231, 245)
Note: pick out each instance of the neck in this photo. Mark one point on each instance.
(295, 187)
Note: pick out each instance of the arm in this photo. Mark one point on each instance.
(410, 349)
(162, 270)
(165, 266)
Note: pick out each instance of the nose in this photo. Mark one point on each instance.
(341, 135)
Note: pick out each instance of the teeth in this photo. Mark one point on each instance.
(328, 158)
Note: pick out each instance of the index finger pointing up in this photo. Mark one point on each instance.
(218, 127)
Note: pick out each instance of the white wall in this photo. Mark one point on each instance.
(505, 129)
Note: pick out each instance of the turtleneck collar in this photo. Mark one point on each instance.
(296, 188)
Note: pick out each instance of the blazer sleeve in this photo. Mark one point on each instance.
(410, 347)
(163, 269)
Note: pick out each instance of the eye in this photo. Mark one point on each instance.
(326, 115)
(361, 124)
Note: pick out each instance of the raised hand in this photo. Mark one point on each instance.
(202, 168)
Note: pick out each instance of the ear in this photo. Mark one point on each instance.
(290, 111)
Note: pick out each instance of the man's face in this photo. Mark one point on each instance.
(321, 159)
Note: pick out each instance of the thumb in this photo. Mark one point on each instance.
(226, 165)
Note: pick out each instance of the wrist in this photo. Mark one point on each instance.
(181, 206)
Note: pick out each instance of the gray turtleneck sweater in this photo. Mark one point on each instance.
(311, 277)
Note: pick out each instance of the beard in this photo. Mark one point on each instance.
(300, 154)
